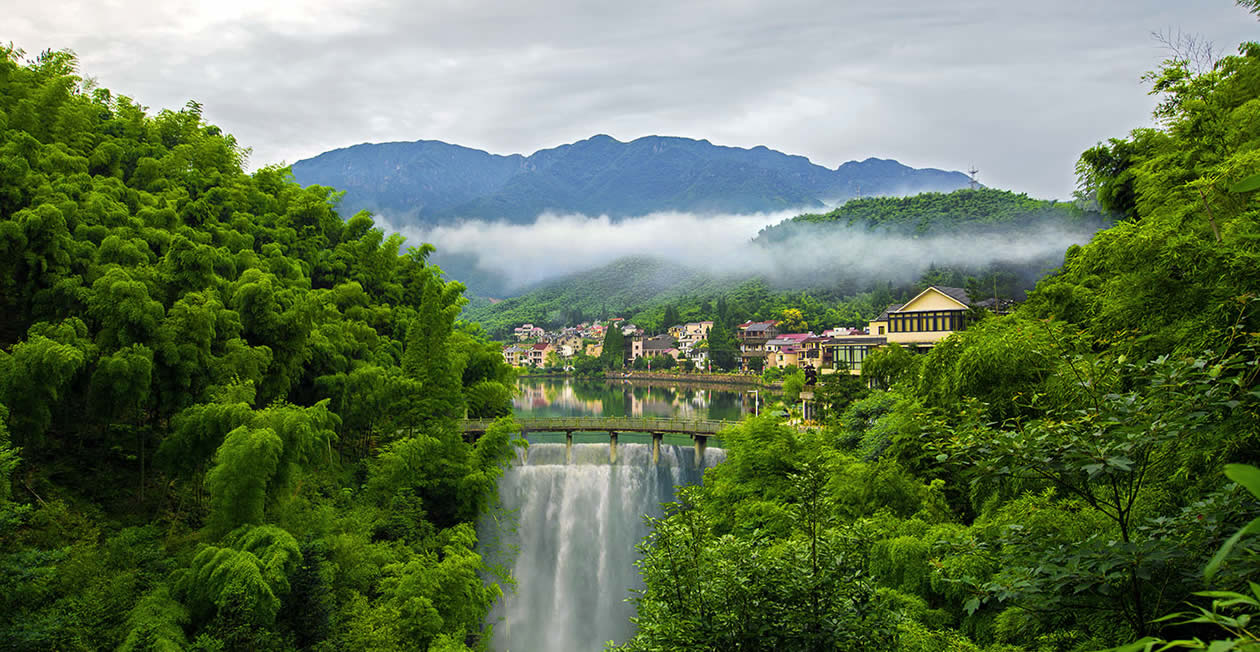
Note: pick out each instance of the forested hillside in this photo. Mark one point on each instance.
(961, 211)
(803, 269)
(429, 182)
(226, 414)
(1054, 479)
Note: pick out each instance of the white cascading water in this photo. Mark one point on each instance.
(576, 528)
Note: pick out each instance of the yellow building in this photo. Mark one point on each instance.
(929, 317)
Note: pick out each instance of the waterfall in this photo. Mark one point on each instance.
(576, 528)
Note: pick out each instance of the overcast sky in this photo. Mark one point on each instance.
(1016, 88)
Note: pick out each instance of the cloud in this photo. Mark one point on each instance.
(1018, 89)
(722, 245)
(557, 245)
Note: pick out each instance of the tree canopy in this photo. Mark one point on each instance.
(228, 411)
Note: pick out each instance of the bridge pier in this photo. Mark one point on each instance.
(612, 447)
(568, 447)
(656, 447)
(702, 443)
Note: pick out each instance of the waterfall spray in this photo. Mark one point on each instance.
(577, 526)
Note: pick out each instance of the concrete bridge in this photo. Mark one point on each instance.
(698, 429)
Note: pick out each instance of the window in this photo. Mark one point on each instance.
(881, 330)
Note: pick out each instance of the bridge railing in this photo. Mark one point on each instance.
(605, 424)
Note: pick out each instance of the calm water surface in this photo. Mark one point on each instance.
(569, 397)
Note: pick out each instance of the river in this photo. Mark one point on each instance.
(568, 531)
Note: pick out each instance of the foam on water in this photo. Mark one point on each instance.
(576, 528)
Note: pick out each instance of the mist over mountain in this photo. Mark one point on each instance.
(429, 182)
(569, 265)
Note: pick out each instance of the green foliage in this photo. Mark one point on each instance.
(156, 623)
(246, 355)
(613, 353)
(723, 349)
(793, 385)
(1248, 477)
(1045, 480)
(889, 365)
(935, 212)
(248, 575)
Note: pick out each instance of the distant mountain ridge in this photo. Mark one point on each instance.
(429, 181)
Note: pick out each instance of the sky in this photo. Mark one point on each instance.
(1017, 89)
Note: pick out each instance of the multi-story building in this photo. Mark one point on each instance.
(752, 337)
(932, 315)
(929, 317)
(785, 349)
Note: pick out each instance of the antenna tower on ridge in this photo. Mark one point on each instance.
(974, 183)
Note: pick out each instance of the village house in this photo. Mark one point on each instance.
(568, 345)
(538, 354)
(515, 356)
(752, 337)
(693, 333)
(929, 317)
(660, 345)
(785, 349)
(932, 315)
(529, 332)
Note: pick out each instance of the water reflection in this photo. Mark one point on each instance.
(556, 397)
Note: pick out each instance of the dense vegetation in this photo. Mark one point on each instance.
(226, 414)
(1047, 480)
(935, 212)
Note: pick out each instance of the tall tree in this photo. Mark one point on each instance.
(613, 354)
(427, 359)
(723, 350)
(671, 317)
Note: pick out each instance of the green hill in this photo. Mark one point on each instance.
(962, 211)
(829, 290)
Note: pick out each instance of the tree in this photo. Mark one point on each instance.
(1104, 456)
(670, 318)
(792, 320)
(723, 350)
(889, 365)
(613, 355)
(427, 358)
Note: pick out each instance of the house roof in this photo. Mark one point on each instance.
(789, 339)
(883, 316)
(541, 347)
(659, 342)
(847, 341)
(758, 327)
(957, 294)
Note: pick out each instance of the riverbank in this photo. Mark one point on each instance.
(742, 380)
(729, 380)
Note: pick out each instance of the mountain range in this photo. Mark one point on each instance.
(428, 182)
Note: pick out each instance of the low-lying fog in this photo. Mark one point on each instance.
(558, 245)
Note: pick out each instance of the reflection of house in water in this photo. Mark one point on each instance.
(668, 402)
(549, 398)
